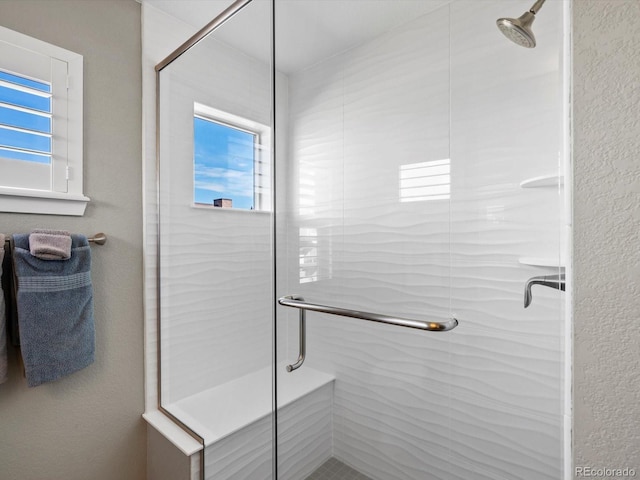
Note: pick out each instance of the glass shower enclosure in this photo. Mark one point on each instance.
(362, 241)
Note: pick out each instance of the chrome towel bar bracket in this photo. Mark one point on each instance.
(302, 332)
(298, 302)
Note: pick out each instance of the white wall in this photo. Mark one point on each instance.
(607, 227)
(88, 425)
(487, 398)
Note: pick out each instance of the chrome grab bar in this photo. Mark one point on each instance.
(298, 302)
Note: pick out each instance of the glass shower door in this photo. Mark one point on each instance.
(407, 136)
(364, 97)
(405, 130)
(215, 243)
(508, 229)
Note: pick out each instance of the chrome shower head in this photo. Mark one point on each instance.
(518, 30)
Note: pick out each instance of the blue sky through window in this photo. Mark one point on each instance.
(43, 87)
(24, 99)
(25, 119)
(224, 159)
(21, 119)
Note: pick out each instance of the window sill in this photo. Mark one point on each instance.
(201, 206)
(16, 200)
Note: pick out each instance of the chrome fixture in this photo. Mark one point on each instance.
(296, 301)
(518, 30)
(553, 281)
(302, 332)
(98, 239)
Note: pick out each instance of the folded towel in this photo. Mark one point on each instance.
(55, 311)
(3, 324)
(50, 244)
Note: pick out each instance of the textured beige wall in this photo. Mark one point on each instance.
(88, 426)
(165, 461)
(607, 234)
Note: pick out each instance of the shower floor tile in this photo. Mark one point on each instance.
(334, 469)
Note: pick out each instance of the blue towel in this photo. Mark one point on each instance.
(55, 311)
(3, 324)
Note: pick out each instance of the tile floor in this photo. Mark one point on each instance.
(334, 469)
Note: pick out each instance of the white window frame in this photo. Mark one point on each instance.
(65, 196)
(262, 162)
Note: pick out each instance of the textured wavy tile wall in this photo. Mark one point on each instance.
(304, 443)
(485, 400)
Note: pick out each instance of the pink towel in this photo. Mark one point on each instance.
(50, 244)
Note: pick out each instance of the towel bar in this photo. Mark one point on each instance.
(298, 302)
(98, 239)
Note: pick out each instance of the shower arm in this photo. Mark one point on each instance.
(537, 6)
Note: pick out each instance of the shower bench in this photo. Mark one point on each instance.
(237, 426)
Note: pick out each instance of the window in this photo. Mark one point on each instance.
(230, 161)
(40, 127)
(25, 132)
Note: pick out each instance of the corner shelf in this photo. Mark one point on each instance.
(549, 262)
(543, 181)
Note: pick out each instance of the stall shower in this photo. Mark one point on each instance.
(353, 199)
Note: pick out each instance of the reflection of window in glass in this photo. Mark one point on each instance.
(425, 181)
(306, 190)
(308, 239)
(229, 160)
(315, 253)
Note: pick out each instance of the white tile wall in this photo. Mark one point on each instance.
(304, 443)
